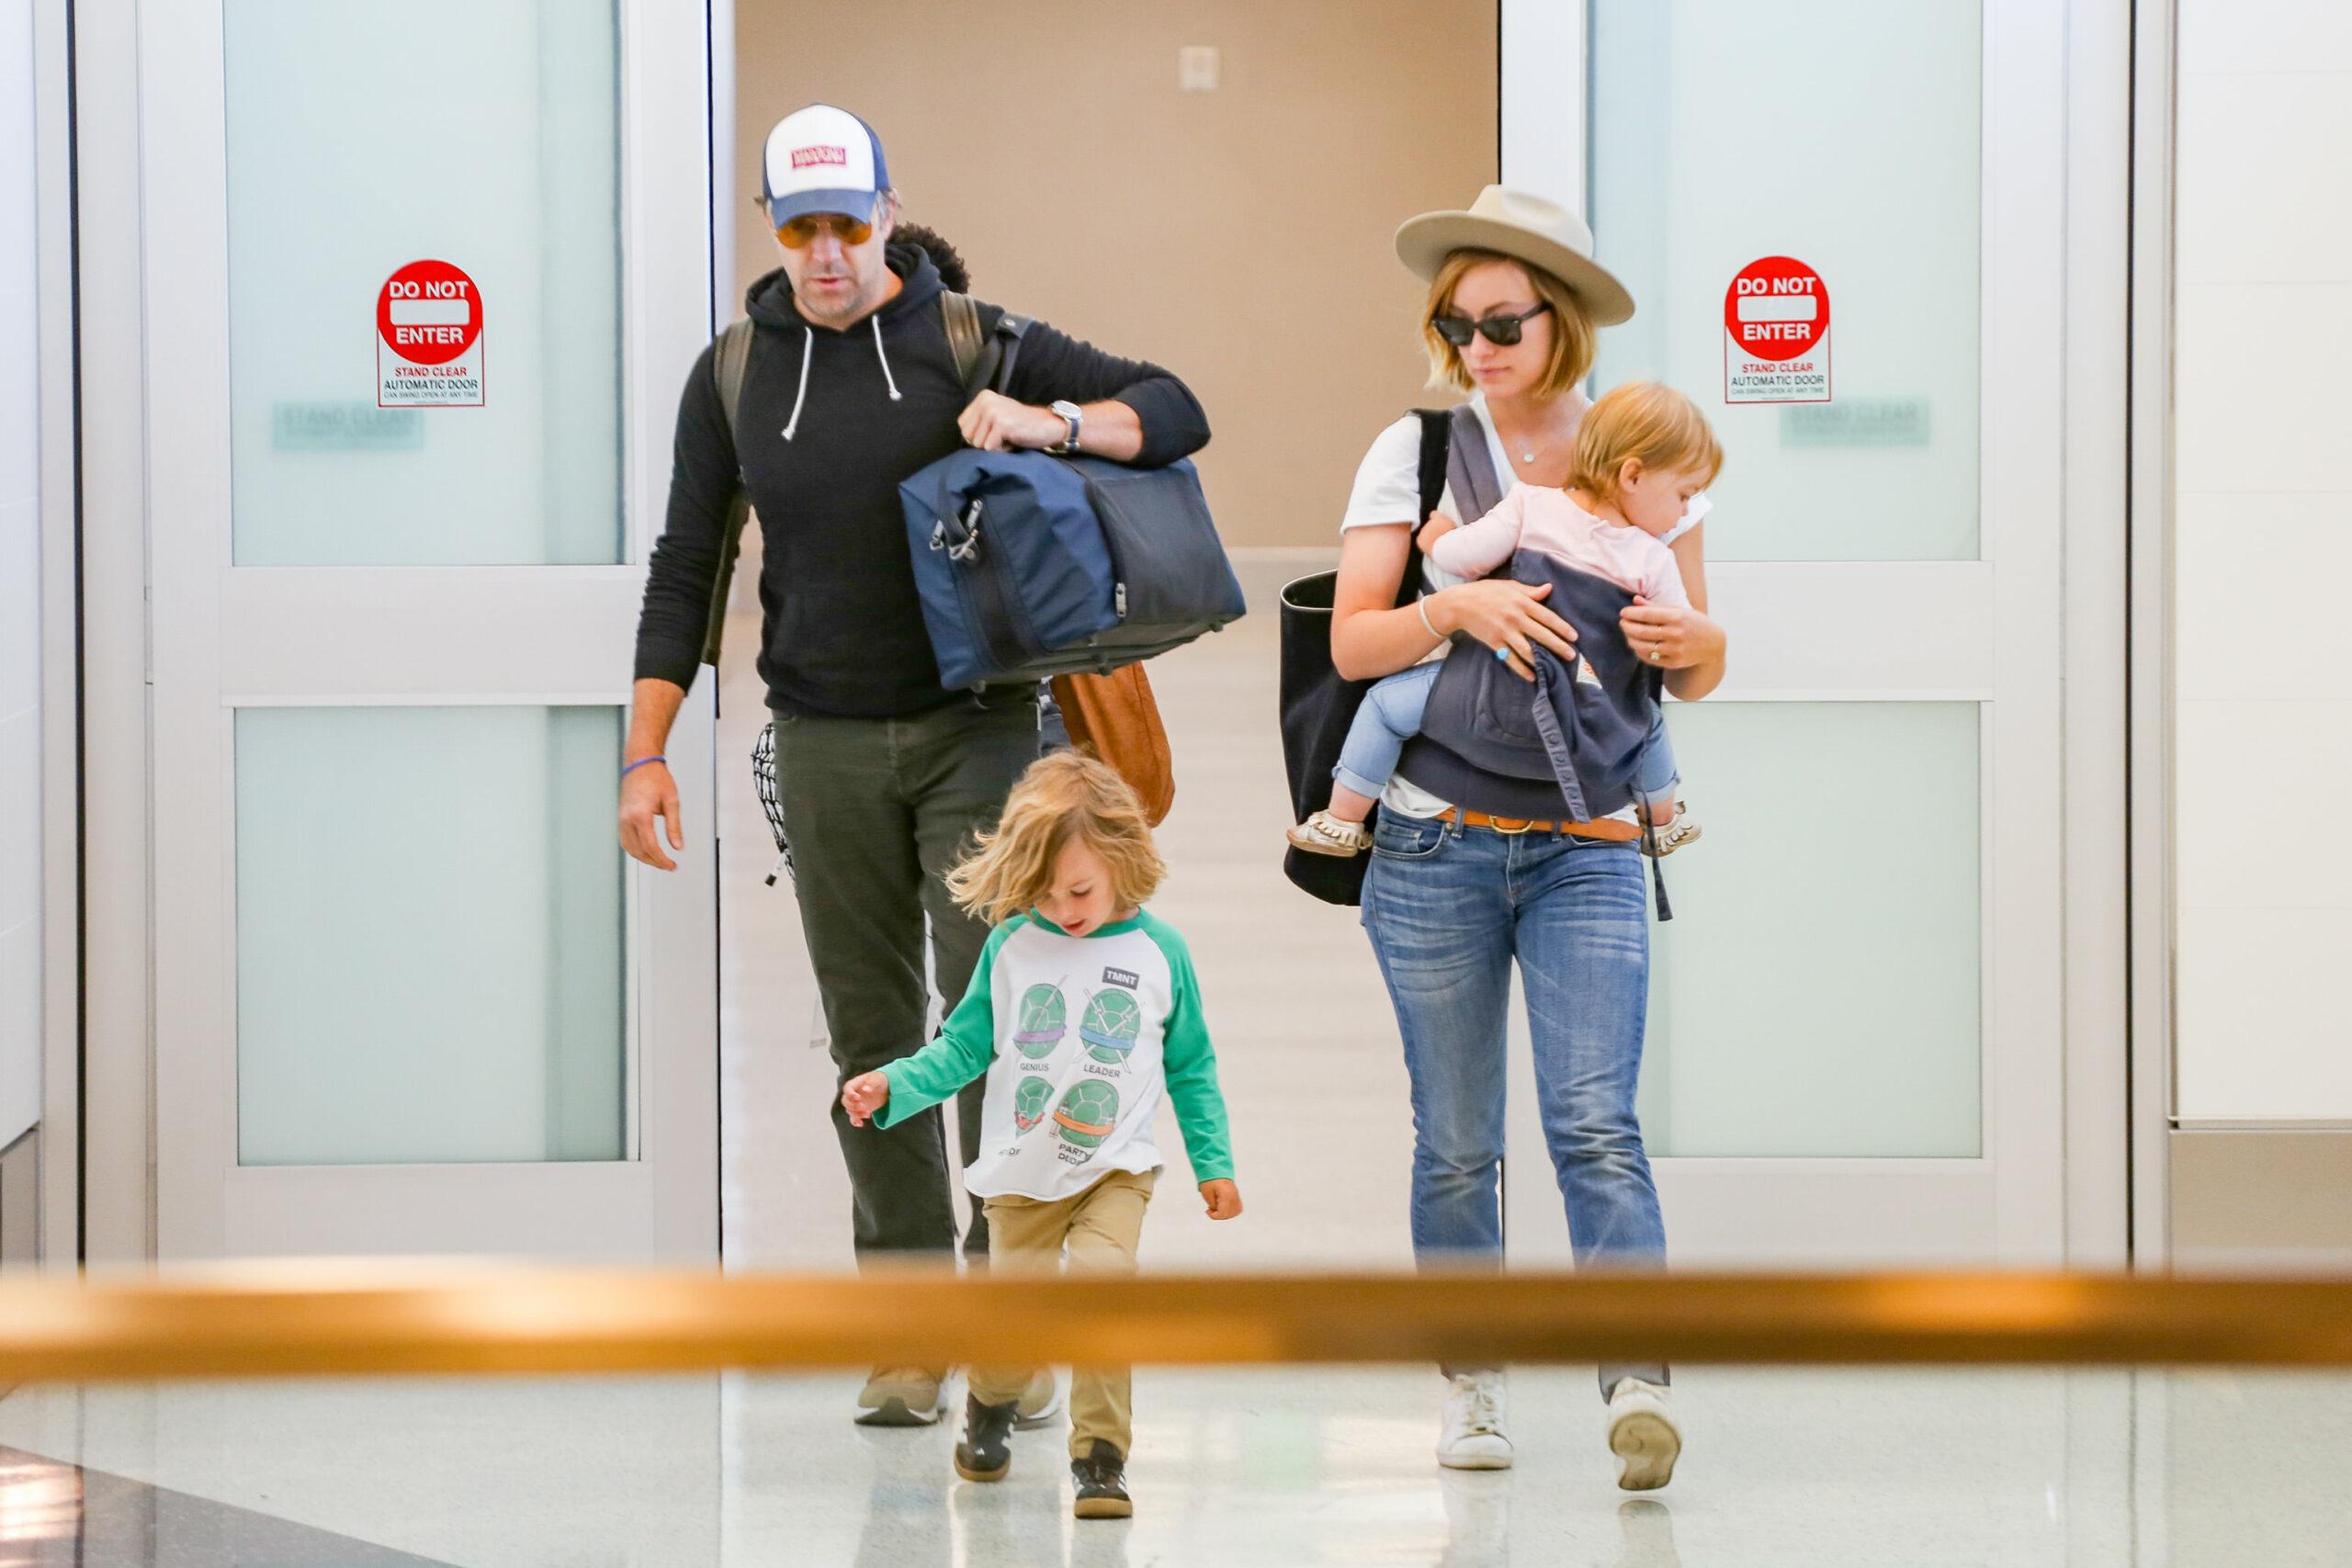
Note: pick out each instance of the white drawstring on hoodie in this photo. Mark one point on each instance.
(809, 354)
(887, 379)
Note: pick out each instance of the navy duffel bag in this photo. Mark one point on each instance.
(1032, 566)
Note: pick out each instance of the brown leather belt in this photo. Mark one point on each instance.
(1512, 827)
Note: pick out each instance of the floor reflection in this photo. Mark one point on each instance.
(55, 1515)
(1289, 1468)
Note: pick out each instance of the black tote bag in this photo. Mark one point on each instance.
(1317, 706)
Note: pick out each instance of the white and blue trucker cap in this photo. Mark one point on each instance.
(821, 159)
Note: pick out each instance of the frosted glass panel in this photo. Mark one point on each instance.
(429, 935)
(482, 133)
(1818, 991)
(1843, 133)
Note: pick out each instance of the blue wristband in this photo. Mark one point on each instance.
(641, 761)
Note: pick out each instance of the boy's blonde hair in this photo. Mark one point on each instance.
(1066, 796)
(1644, 419)
(1572, 330)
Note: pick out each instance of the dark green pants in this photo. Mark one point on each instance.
(876, 811)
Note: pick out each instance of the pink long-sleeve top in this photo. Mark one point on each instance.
(1537, 517)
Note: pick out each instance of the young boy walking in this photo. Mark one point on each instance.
(1082, 1012)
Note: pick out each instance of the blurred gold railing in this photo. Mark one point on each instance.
(390, 1318)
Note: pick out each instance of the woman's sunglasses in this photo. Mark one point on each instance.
(800, 233)
(1501, 331)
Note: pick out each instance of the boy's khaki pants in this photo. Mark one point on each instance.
(1101, 1227)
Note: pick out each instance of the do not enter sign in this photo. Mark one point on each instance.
(428, 338)
(1776, 334)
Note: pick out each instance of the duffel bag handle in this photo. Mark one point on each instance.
(963, 548)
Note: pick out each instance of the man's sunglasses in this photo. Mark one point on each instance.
(800, 233)
(1501, 331)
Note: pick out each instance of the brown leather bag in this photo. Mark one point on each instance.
(1114, 718)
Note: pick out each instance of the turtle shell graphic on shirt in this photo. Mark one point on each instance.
(1114, 1019)
(1043, 1018)
(1088, 1113)
(1029, 1099)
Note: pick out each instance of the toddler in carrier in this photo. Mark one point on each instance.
(1643, 451)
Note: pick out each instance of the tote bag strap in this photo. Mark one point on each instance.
(1437, 427)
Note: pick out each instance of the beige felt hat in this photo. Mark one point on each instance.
(1526, 228)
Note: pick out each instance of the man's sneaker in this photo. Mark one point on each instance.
(903, 1396)
(1677, 834)
(1039, 1403)
(986, 1452)
(1643, 1436)
(1101, 1478)
(1473, 1435)
(1323, 834)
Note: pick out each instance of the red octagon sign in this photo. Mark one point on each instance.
(429, 312)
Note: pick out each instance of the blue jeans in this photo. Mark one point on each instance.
(1391, 715)
(1449, 909)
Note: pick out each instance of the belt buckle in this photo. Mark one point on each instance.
(1526, 825)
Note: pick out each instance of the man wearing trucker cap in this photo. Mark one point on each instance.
(883, 776)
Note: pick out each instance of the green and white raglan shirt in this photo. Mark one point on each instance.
(1079, 1037)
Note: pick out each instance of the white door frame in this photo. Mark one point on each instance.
(213, 627)
(2149, 164)
(2053, 1058)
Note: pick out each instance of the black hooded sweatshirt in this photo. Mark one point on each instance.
(831, 422)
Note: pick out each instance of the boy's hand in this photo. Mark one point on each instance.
(1436, 528)
(1223, 1198)
(864, 1095)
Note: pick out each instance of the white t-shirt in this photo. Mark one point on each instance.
(1388, 491)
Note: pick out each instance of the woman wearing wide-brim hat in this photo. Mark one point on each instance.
(1470, 871)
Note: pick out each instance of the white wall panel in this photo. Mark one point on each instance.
(2263, 546)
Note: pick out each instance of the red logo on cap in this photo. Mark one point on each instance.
(806, 157)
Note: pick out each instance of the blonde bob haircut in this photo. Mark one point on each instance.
(1571, 356)
(1649, 421)
(1067, 795)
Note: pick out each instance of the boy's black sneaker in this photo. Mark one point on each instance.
(986, 1452)
(1101, 1478)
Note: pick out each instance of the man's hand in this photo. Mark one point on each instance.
(995, 422)
(865, 1095)
(648, 795)
(1436, 528)
(1223, 1198)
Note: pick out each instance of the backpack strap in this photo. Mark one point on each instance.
(964, 339)
(730, 356)
(730, 359)
(983, 356)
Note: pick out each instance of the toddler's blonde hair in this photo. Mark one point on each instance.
(1063, 797)
(1648, 420)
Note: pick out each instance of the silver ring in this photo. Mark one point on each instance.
(1658, 653)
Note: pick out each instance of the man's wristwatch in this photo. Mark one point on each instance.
(1069, 411)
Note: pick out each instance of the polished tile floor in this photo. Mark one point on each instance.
(1232, 1469)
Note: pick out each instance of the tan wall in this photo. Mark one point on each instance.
(1239, 237)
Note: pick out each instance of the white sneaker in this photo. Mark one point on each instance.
(1643, 1436)
(1472, 1437)
(902, 1396)
(1039, 1404)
